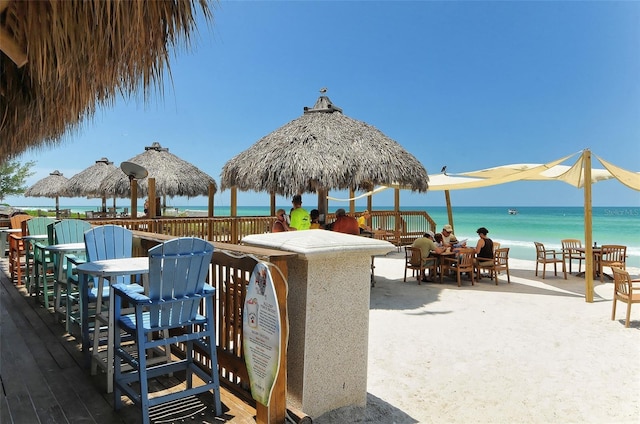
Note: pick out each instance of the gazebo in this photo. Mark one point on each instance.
(87, 182)
(53, 186)
(171, 177)
(320, 151)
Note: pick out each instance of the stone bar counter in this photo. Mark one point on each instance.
(328, 308)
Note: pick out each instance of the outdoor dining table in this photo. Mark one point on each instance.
(105, 269)
(4, 234)
(58, 252)
(597, 254)
(440, 257)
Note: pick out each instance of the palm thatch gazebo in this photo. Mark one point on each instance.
(53, 186)
(87, 182)
(320, 151)
(171, 177)
(60, 59)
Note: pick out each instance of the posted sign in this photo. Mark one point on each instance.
(261, 327)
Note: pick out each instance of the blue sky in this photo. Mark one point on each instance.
(469, 85)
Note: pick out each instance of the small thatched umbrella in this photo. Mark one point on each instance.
(320, 151)
(87, 182)
(79, 54)
(173, 176)
(53, 186)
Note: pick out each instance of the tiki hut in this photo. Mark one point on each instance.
(87, 182)
(173, 177)
(60, 59)
(53, 186)
(320, 151)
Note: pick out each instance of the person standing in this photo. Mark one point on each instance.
(300, 219)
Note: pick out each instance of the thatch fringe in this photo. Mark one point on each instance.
(81, 54)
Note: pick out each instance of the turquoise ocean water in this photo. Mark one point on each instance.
(611, 225)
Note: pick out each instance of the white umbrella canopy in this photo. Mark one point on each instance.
(323, 150)
(87, 182)
(173, 176)
(53, 186)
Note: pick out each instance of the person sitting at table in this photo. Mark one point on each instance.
(362, 222)
(280, 224)
(427, 245)
(315, 219)
(484, 247)
(345, 223)
(438, 239)
(448, 238)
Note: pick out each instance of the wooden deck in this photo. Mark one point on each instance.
(42, 378)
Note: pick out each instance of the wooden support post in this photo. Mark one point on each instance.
(211, 194)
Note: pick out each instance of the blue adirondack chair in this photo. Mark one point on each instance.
(177, 272)
(103, 242)
(64, 232)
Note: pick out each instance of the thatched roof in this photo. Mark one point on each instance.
(323, 149)
(52, 186)
(87, 182)
(59, 59)
(174, 176)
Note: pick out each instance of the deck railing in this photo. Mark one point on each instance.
(403, 227)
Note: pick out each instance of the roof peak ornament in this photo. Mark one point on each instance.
(323, 104)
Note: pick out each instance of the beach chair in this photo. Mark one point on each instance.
(613, 256)
(414, 262)
(499, 263)
(624, 291)
(465, 262)
(178, 270)
(548, 256)
(570, 252)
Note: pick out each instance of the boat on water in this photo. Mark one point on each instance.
(513, 211)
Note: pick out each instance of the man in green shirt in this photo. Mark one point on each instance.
(300, 219)
(426, 244)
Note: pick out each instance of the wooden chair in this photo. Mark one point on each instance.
(499, 263)
(613, 256)
(175, 296)
(414, 262)
(624, 291)
(465, 262)
(35, 226)
(570, 252)
(548, 256)
(17, 247)
(44, 268)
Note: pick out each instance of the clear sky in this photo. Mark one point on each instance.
(469, 85)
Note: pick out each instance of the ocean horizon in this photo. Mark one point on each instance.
(548, 225)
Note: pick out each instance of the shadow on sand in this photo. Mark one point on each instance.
(377, 411)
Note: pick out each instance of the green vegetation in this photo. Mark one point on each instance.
(13, 176)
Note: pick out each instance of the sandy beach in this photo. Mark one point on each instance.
(533, 351)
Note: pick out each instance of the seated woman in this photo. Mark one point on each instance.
(280, 224)
(315, 219)
(484, 247)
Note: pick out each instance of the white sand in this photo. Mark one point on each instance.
(533, 351)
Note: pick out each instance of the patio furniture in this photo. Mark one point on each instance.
(571, 252)
(465, 262)
(613, 256)
(499, 263)
(548, 256)
(414, 262)
(16, 247)
(44, 267)
(624, 291)
(178, 270)
(36, 232)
